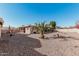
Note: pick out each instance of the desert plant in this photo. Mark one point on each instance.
(52, 25)
(36, 27)
(41, 29)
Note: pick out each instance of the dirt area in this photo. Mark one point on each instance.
(31, 45)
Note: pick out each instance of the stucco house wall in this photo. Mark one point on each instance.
(28, 30)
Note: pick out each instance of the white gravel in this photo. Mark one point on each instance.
(66, 46)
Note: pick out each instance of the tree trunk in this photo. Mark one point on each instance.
(42, 35)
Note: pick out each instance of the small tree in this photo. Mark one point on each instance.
(41, 29)
(52, 24)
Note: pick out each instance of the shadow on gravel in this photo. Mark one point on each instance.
(20, 45)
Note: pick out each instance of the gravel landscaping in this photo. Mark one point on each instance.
(31, 45)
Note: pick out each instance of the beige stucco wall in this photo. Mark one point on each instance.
(28, 30)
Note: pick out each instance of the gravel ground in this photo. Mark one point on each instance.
(19, 45)
(67, 44)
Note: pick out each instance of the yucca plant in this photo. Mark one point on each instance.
(41, 29)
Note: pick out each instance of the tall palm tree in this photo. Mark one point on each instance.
(41, 29)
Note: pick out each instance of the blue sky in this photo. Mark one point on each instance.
(23, 14)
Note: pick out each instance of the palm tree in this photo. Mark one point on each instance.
(52, 24)
(41, 29)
